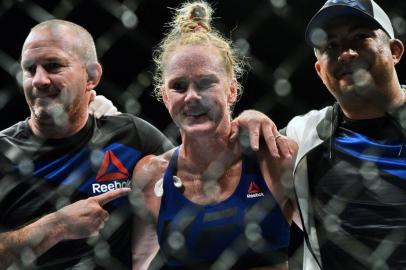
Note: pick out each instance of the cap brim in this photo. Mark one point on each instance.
(326, 15)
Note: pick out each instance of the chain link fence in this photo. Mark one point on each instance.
(281, 80)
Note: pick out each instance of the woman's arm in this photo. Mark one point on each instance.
(278, 175)
(144, 243)
(146, 204)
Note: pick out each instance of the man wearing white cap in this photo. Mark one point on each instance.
(350, 172)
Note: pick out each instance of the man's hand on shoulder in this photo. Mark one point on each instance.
(100, 106)
(252, 125)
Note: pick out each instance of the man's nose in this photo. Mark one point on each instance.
(347, 54)
(40, 78)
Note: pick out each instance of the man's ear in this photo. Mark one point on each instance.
(94, 73)
(397, 49)
(318, 69)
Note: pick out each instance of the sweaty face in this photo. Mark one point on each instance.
(356, 59)
(54, 78)
(197, 91)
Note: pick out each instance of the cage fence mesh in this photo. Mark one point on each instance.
(280, 81)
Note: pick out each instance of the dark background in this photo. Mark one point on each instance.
(281, 82)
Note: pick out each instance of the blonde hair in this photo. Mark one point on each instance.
(192, 25)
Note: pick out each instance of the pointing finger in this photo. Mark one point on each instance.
(104, 198)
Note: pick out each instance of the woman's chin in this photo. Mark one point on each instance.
(202, 129)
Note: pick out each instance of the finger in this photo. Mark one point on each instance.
(270, 139)
(284, 147)
(106, 217)
(235, 149)
(103, 109)
(283, 144)
(103, 221)
(95, 234)
(111, 195)
(234, 132)
(92, 95)
(254, 130)
(97, 114)
(112, 111)
(94, 106)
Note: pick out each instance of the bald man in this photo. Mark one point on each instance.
(64, 175)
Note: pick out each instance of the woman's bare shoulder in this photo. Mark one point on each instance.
(151, 168)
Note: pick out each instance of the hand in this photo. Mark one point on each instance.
(101, 106)
(87, 217)
(259, 124)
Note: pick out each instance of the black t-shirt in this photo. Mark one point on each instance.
(359, 195)
(40, 176)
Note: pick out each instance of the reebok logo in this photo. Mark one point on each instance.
(102, 188)
(254, 191)
(113, 171)
(116, 169)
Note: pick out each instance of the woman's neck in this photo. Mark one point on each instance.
(197, 153)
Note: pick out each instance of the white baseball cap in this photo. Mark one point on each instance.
(367, 9)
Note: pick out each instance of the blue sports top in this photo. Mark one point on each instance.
(248, 229)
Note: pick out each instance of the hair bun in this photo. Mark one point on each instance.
(198, 13)
(193, 17)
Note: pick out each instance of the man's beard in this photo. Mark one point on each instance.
(54, 114)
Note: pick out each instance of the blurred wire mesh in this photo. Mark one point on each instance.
(281, 80)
